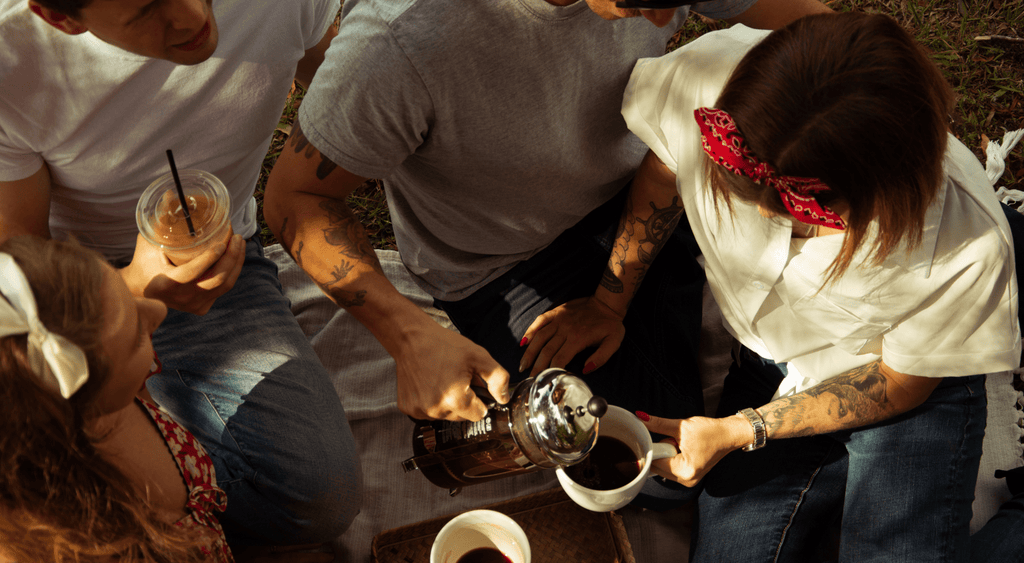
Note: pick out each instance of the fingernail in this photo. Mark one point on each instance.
(591, 366)
(522, 367)
(522, 343)
(673, 441)
(643, 416)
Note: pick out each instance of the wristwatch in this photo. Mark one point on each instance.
(760, 432)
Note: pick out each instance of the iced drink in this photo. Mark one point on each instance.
(162, 222)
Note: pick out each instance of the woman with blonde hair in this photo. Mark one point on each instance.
(90, 469)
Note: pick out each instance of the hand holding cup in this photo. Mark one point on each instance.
(704, 442)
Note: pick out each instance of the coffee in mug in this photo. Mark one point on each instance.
(484, 555)
(624, 427)
(610, 465)
(481, 536)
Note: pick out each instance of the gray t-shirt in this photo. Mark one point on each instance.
(494, 124)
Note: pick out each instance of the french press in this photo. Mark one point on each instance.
(551, 420)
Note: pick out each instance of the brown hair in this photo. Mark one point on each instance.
(59, 499)
(852, 99)
(72, 8)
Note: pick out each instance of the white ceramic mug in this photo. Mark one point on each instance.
(621, 424)
(480, 529)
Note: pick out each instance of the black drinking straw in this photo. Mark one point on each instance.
(181, 193)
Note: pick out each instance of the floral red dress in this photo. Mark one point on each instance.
(204, 496)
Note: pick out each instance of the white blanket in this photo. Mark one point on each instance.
(364, 376)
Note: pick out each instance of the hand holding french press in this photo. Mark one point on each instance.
(437, 369)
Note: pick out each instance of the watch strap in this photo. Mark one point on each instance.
(760, 431)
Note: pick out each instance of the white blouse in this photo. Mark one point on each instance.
(946, 308)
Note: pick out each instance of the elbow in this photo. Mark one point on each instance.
(910, 392)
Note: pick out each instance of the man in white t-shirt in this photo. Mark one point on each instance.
(93, 94)
(496, 129)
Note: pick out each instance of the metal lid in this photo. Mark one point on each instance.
(563, 416)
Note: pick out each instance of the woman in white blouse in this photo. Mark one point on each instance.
(863, 264)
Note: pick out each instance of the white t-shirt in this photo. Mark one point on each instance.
(495, 124)
(102, 118)
(948, 308)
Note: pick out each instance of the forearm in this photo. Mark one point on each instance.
(859, 397)
(329, 243)
(775, 14)
(649, 218)
(327, 240)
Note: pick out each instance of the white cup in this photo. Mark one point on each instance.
(480, 529)
(618, 423)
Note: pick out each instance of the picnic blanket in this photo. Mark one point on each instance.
(364, 377)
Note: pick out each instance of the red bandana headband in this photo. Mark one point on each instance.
(724, 144)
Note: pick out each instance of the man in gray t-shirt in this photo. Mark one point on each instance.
(496, 128)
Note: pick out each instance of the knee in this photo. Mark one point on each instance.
(324, 506)
(323, 494)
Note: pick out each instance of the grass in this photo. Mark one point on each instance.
(986, 74)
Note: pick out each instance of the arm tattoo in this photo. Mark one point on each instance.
(325, 167)
(856, 398)
(288, 242)
(658, 228)
(298, 253)
(344, 298)
(610, 282)
(345, 232)
(300, 143)
(624, 233)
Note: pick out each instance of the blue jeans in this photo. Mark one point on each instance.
(900, 490)
(655, 369)
(1002, 538)
(244, 379)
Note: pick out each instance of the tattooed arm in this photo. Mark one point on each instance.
(305, 207)
(859, 397)
(651, 213)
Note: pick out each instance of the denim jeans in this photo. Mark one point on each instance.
(244, 379)
(1002, 538)
(901, 489)
(655, 369)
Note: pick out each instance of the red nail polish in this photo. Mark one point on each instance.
(524, 342)
(591, 366)
(643, 416)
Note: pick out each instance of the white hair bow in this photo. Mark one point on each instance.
(60, 363)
